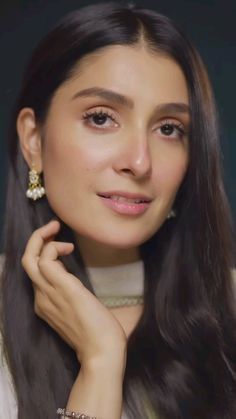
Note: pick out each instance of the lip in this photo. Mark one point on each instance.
(125, 194)
(127, 208)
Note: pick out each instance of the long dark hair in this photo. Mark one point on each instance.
(182, 354)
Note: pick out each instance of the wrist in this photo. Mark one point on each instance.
(97, 389)
(108, 363)
(114, 355)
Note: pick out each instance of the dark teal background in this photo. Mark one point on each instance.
(210, 24)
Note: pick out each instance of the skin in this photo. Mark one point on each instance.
(80, 159)
(130, 154)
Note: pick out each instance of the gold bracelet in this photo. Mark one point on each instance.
(64, 413)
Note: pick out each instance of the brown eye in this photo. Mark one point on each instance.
(100, 118)
(167, 129)
(172, 130)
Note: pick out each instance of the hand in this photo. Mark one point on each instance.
(65, 303)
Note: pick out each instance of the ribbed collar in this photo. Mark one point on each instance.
(119, 281)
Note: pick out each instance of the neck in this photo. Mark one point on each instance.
(96, 254)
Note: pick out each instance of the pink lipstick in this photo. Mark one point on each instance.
(126, 202)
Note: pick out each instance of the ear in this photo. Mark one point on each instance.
(30, 138)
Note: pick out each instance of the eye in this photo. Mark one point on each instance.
(99, 118)
(172, 129)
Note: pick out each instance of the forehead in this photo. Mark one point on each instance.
(133, 71)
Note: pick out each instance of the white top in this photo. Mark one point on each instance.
(119, 285)
(125, 280)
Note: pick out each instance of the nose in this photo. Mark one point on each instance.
(134, 157)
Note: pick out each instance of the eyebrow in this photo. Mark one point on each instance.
(127, 102)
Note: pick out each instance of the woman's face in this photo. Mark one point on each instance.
(133, 140)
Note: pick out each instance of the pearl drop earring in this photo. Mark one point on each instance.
(35, 189)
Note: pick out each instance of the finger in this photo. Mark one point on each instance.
(52, 250)
(33, 249)
(49, 265)
(39, 236)
(35, 245)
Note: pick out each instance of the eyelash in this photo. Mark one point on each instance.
(179, 127)
(90, 114)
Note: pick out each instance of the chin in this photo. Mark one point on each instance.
(121, 240)
(121, 236)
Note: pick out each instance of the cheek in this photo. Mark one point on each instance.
(71, 150)
(170, 171)
(70, 166)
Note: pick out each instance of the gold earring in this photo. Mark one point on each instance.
(35, 189)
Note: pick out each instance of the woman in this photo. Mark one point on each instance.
(116, 129)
